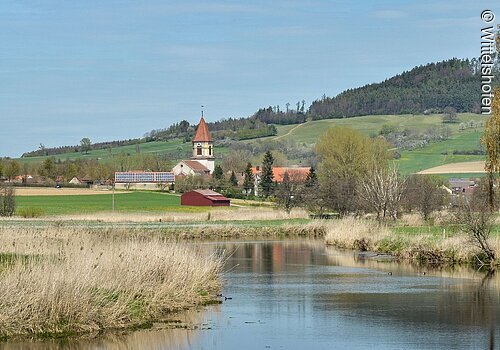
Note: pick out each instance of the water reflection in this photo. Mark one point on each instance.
(300, 294)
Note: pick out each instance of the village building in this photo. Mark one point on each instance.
(462, 186)
(81, 180)
(143, 180)
(202, 159)
(206, 198)
(296, 174)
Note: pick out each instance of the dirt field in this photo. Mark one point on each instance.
(51, 191)
(465, 167)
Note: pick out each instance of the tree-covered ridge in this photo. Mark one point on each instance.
(453, 83)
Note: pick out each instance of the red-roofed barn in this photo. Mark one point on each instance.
(204, 198)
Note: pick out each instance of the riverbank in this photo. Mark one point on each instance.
(63, 281)
(437, 245)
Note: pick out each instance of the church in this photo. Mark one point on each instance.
(202, 161)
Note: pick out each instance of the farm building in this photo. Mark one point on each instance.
(204, 198)
(143, 180)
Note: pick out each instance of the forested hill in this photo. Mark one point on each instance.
(453, 83)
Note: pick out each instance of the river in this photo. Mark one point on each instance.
(299, 294)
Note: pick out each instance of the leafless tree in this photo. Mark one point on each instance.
(382, 191)
(476, 220)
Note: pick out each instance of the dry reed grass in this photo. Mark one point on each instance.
(353, 233)
(362, 234)
(215, 214)
(68, 281)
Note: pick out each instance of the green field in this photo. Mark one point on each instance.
(124, 202)
(432, 155)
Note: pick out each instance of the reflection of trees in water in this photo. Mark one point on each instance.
(463, 301)
(485, 300)
(155, 338)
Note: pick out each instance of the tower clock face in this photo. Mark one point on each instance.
(198, 144)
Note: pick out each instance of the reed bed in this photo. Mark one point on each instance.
(423, 246)
(63, 281)
(213, 214)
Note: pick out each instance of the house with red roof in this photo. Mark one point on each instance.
(295, 174)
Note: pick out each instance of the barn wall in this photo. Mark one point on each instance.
(195, 199)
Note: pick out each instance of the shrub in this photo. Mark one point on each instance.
(7, 201)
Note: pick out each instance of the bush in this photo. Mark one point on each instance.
(7, 201)
(30, 212)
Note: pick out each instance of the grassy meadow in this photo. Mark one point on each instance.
(124, 202)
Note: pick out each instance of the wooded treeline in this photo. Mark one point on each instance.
(430, 88)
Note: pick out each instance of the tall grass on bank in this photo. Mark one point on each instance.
(422, 246)
(212, 214)
(67, 282)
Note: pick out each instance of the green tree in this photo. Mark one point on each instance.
(218, 178)
(249, 180)
(267, 177)
(218, 174)
(48, 168)
(491, 141)
(346, 158)
(11, 169)
(85, 145)
(233, 181)
(7, 201)
(312, 178)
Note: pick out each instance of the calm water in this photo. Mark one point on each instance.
(301, 295)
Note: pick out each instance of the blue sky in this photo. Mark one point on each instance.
(115, 69)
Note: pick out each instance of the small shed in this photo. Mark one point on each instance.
(204, 198)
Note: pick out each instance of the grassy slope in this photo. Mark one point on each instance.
(432, 155)
(128, 202)
(174, 147)
(411, 161)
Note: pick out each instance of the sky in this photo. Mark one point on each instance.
(116, 69)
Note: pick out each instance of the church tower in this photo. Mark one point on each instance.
(203, 146)
(203, 143)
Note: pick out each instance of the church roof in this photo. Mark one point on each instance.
(202, 133)
(196, 166)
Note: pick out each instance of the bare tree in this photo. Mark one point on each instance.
(382, 191)
(288, 192)
(425, 194)
(476, 220)
(450, 115)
